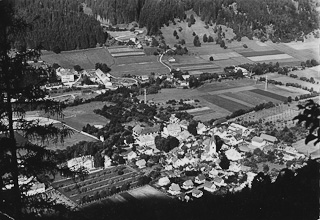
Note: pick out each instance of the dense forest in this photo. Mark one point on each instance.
(280, 20)
(57, 25)
(63, 25)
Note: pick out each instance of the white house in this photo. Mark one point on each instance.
(84, 161)
(132, 155)
(188, 184)
(258, 142)
(164, 181)
(201, 128)
(219, 181)
(233, 155)
(171, 60)
(208, 186)
(141, 163)
(107, 161)
(145, 140)
(197, 193)
(269, 138)
(174, 189)
(172, 130)
(200, 179)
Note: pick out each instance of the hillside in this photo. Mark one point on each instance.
(282, 20)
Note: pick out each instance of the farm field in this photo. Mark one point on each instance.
(85, 58)
(260, 53)
(269, 94)
(224, 103)
(220, 99)
(125, 51)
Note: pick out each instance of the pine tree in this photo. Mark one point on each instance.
(19, 92)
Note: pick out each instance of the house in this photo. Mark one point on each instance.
(173, 119)
(269, 138)
(171, 60)
(132, 155)
(84, 161)
(201, 128)
(213, 173)
(234, 167)
(107, 161)
(174, 189)
(150, 130)
(188, 184)
(145, 140)
(183, 135)
(65, 75)
(258, 142)
(184, 124)
(184, 83)
(200, 179)
(172, 130)
(185, 77)
(218, 181)
(208, 186)
(36, 188)
(141, 163)
(163, 181)
(137, 130)
(103, 78)
(197, 193)
(233, 155)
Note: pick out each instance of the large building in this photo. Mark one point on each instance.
(84, 161)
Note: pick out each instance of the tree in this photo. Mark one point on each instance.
(196, 41)
(210, 39)
(211, 58)
(265, 168)
(192, 128)
(77, 68)
(310, 117)
(224, 163)
(289, 99)
(103, 67)
(175, 33)
(56, 49)
(31, 152)
(205, 38)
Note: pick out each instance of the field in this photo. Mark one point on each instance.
(124, 51)
(219, 99)
(85, 58)
(96, 182)
(81, 115)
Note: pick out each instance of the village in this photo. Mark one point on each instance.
(220, 158)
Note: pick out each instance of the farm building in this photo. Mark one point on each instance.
(65, 75)
(209, 186)
(163, 181)
(269, 138)
(84, 161)
(258, 142)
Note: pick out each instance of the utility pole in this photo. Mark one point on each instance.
(145, 96)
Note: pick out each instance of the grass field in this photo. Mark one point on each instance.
(262, 97)
(85, 58)
(270, 57)
(216, 86)
(244, 97)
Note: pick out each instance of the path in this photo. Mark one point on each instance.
(166, 65)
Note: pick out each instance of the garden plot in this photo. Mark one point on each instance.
(200, 67)
(134, 53)
(242, 60)
(236, 100)
(226, 63)
(125, 51)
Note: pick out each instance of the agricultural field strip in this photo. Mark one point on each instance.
(244, 97)
(200, 67)
(262, 97)
(270, 57)
(302, 46)
(236, 100)
(224, 103)
(122, 50)
(269, 94)
(198, 109)
(128, 54)
(221, 56)
(191, 64)
(233, 90)
(260, 53)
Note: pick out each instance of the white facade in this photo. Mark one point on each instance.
(84, 161)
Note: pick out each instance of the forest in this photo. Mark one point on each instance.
(279, 20)
(57, 25)
(63, 25)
